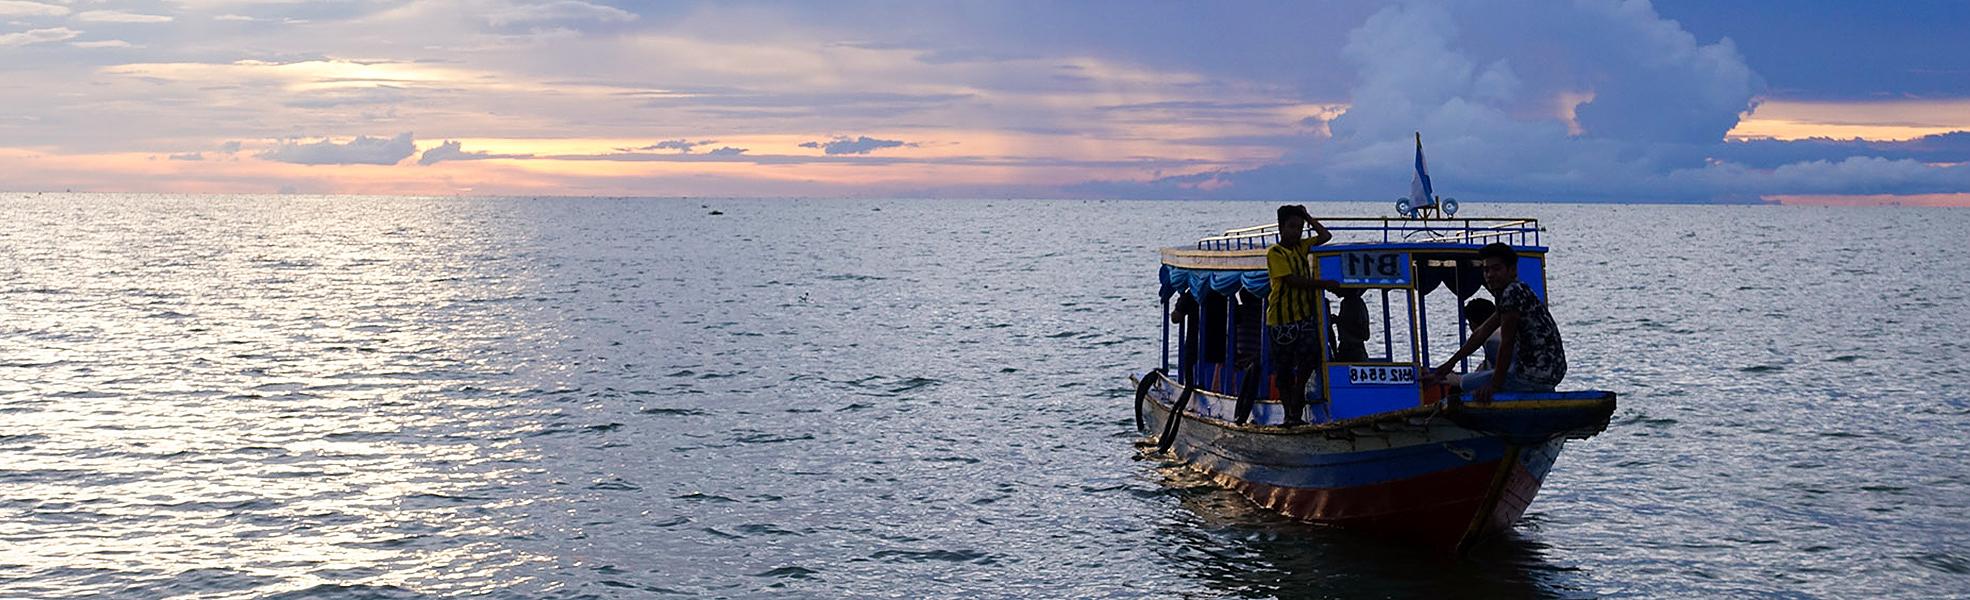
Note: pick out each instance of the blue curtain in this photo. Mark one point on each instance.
(1202, 283)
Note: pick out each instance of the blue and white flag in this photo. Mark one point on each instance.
(1420, 193)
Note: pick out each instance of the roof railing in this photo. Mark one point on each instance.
(1518, 232)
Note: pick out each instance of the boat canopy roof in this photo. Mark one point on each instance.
(1244, 248)
(1201, 283)
(1235, 260)
(1386, 230)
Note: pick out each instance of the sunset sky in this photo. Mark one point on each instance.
(1585, 100)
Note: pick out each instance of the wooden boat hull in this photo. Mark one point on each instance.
(1415, 475)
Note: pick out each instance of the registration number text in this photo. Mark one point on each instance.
(1381, 375)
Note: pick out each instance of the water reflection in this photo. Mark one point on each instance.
(1231, 546)
(201, 392)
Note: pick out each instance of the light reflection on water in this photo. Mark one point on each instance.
(250, 393)
(375, 397)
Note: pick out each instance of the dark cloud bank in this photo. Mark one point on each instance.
(451, 150)
(680, 145)
(363, 150)
(1484, 83)
(858, 145)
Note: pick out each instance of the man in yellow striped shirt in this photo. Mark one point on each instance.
(1292, 312)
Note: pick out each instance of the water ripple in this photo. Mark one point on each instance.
(299, 397)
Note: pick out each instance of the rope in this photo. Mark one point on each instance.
(1141, 390)
(1176, 418)
(1248, 394)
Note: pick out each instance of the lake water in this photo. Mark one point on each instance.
(300, 397)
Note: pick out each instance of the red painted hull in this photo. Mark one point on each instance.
(1412, 477)
(1448, 509)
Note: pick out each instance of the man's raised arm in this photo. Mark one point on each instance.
(1320, 233)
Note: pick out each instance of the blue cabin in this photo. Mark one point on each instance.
(1403, 308)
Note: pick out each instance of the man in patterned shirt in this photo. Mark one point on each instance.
(1530, 354)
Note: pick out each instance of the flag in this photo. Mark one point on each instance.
(1420, 193)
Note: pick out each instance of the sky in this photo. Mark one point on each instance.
(1797, 101)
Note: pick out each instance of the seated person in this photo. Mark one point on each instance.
(1351, 327)
(1476, 312)
(1184, 315)
(1531, 357)
(1249, 317)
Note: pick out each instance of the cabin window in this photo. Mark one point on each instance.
(1450, 289)
(1352, 324)
(1451, 320)
(1368, 325)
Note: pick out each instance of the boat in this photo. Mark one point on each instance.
(1379, 451)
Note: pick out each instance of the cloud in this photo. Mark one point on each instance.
(37, 36)
(230, 147)
(812, 103)
(352, 96)
(740, 155)
(230, 17)
(187, 156)
(117, 16)
(1953, 147)
(562, 10)
(680, 145)
(1600, 99)
(102, 44)
(451, 150)
(1856, 175)
(860, 145)
(1585, 101)
(1198, 105)
(363, 150)
(19, 8)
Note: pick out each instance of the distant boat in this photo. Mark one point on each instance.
(1379, 452)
